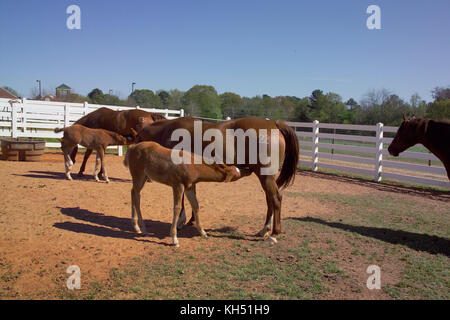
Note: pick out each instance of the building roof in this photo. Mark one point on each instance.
(63, 86)
(6, 94)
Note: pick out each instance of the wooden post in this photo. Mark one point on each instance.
(85, 110)
(24, 115)
(166, 113)
(315, 148)
(181, 113)
(66, 115)
(13, 119)
(379, 153)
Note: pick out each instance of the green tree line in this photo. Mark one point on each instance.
(204, 101)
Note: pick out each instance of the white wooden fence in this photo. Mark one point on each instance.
(355, 153)
(38, 119)
(363, 154)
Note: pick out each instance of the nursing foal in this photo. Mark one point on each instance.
(150, 159)
(94, 139)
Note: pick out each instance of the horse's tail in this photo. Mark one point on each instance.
(126, 161)
(289, 168)
(58, 130)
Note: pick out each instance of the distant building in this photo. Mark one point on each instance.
(6, 94)
(49, 97)
(63, 91)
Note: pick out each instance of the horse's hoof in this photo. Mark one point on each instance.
(263, 233)
(271, 239)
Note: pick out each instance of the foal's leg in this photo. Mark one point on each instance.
(177, 194)
(97, 163)
(85, 159)
(182, 218)
(273, 198)
(68, 164)
(102, 161)
(137, 221)
(190, 194)
(192, 220)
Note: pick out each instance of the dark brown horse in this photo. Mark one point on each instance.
(120, 122)
(288, 153)
(434, 135)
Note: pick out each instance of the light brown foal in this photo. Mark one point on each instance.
(150, 159)
(96, 139)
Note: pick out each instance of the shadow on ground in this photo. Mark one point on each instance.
(62, 176)
(384, 186)
(415, 241)
(115, 227)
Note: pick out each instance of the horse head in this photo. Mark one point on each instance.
(410, 132)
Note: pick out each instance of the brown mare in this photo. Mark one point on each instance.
(93, 139)
(151, 160)
(434, 135)
(120, 122)
(161, 132)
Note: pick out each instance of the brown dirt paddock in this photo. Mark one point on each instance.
(333, 228)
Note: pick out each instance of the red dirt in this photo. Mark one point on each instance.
(48, 223)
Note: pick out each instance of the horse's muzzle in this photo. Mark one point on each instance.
(393, 152)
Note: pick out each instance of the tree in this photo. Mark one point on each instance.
(144, 98)
(164, 98)
(329, 108)
(440, 93)
(96, 96)
(229, 104)
(439, 109)
(204, 101)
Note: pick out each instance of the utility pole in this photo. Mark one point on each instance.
(132, 87)
(40, 89)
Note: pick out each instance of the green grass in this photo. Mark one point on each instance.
(307, 262)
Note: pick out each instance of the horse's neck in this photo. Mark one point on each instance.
(436, 139)
(208, 173)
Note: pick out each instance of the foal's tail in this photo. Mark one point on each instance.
(131, 149)
(289, 168)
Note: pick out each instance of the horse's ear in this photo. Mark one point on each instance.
(404, 117)
(133, 133)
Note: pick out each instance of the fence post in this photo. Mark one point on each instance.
(166, 113)
(379, 153)
(120, 151)
(85, 110)
(13, 119)
(315, 148)
(24, 115)
(181, 113)
(66, 115)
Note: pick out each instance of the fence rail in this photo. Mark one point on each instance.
(38, 119)
(357, 149)
(363, 151)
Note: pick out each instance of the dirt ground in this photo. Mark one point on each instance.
(48, 223)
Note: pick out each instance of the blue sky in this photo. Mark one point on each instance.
(247, 47)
